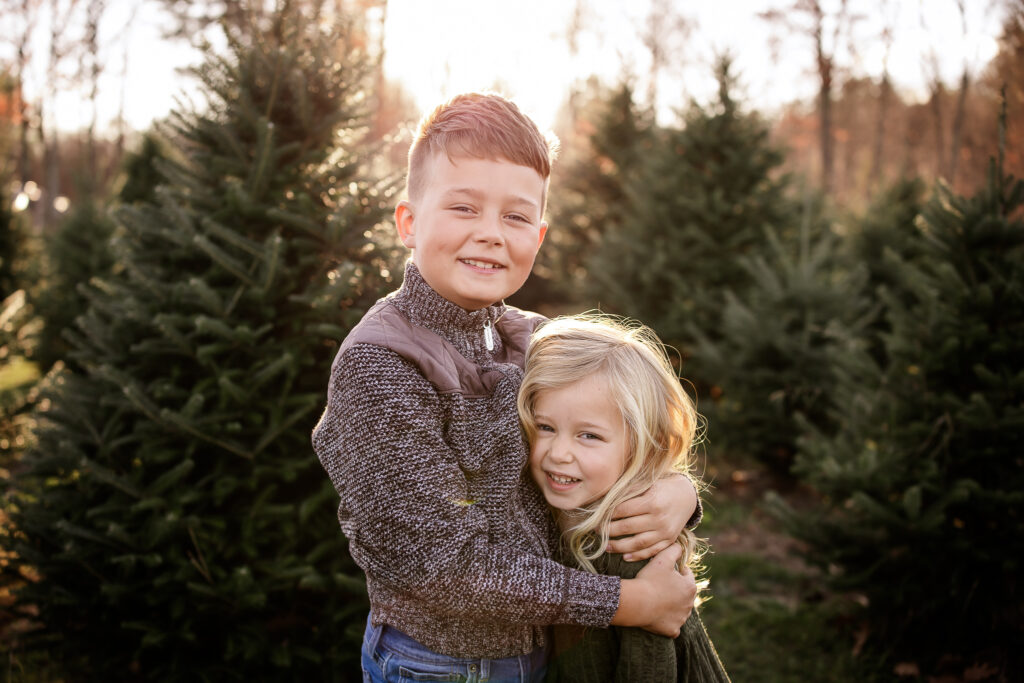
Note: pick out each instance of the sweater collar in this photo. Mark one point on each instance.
(466, 330)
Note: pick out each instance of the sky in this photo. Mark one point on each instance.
(443, 47)
(438, 48)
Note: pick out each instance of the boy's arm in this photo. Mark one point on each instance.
(649, 523)
(659, 599)
(406, 512)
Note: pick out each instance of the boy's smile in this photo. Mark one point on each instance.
(476, 229)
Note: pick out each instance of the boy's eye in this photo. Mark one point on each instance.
(517, 217)
(462, 209)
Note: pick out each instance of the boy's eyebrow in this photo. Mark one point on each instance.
(476, 194)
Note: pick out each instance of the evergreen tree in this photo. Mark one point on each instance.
(700, 201)
(772, 357)
(887, 226)
(19, 334)
(588, 194)
(78, 251)
(139, 168)
(923, 484)
(182, 526)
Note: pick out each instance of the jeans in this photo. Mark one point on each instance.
(390, 656)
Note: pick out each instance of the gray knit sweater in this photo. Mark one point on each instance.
(453, 540)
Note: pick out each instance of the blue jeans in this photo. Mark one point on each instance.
(390, 656)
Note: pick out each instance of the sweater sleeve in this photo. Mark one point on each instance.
(405, 508)
(645, 656)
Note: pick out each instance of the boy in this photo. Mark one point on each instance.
(422, 441)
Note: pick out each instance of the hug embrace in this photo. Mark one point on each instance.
(516, 490)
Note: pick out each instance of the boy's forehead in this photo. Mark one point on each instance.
(439, 161)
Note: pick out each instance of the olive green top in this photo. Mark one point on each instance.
(625, 654)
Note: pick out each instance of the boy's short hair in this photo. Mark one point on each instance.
(480, 125)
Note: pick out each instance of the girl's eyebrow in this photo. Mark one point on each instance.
(593, 426)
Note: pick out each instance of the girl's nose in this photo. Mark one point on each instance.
(561, 451)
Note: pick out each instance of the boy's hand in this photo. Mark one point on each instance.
(660, 598)
(653, 521)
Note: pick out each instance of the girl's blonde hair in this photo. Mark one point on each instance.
(661, 420)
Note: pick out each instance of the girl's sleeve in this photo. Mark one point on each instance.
(405, 509)
(645, 656)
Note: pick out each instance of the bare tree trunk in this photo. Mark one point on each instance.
(91, 65)
(50, 140)
(381, 85)
(961, 105)
(825, 50)
(661, 28)
(29, 15)
(572, 37)
(884, 95)
(958, 125)
(825, 113)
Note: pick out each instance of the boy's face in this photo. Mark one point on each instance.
(475, 229)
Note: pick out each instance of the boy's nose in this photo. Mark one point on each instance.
(489, 231)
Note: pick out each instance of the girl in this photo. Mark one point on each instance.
(606, 417)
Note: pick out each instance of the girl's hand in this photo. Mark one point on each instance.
(653, 521)
(660, 598)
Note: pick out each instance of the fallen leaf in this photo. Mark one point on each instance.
(980, 671)
(860, 639)
(906, 669)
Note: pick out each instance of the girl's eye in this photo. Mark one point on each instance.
(544, 428)
(590, 436)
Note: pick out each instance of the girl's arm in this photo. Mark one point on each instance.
(653, 521)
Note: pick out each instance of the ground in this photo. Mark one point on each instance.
(768, 613)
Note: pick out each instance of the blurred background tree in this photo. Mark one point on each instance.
(922, 484)
(165, 508)
(614, 137)
(179, 525)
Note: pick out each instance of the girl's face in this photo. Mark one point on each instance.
(581, 445)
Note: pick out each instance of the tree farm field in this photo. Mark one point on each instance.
(764, 608)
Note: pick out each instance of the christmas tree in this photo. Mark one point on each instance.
(588, 193)
(771, 356)
(181, 525)
(701, 200)
(77, 251)
(923, 484)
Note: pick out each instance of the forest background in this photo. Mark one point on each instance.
(842, 277)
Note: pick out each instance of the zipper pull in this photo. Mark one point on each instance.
(489, 335)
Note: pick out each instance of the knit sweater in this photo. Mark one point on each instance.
(625, 654)
(453, 540)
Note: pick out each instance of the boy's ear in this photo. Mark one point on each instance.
(543, 231)
(404, 223)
